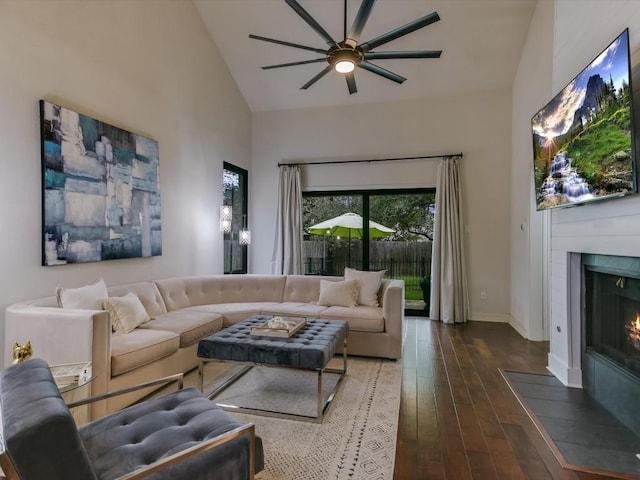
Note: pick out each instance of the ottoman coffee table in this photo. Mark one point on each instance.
(311, 349)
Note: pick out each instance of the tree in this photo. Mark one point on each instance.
(410, 215)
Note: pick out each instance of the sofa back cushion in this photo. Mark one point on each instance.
(304, 288)
(148, 294)
(215, 289)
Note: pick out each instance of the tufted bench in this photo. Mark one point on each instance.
(310, 349)
(40, 440)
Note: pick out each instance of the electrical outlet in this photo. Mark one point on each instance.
(483, 295)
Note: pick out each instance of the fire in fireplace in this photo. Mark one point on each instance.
(633, 333)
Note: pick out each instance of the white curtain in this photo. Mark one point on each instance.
(287, 246)
(449, 295)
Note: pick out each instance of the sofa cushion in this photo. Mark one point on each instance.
(343, 293)
(304, 288)
(215, 289)
(191, 325)
(235, 312)
(360, 319)
(141, 347)
(88, 297)
(126, 313)
(295, 309)
(369, 285)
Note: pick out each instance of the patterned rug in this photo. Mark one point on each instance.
(357, 439)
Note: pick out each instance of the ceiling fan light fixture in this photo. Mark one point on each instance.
(344, 56)
(344, 66)
(344, 60)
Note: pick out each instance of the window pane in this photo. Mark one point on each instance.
(400, 237)
(332, 239)
(406, 255)
(234, 191)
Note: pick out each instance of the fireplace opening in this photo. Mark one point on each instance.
(611, 334)
(612, 314)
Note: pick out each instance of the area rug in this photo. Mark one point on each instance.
(357, 438)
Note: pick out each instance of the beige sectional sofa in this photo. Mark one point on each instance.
(184, 310)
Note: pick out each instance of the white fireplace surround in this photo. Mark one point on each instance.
(565, 326)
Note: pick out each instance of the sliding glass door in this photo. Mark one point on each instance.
(398, 238)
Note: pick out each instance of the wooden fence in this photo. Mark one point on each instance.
(410, 261)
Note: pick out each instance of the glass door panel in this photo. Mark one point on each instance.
(333, 233)
(405, 254)
(398, 239)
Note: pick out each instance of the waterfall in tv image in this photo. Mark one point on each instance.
(582, 139)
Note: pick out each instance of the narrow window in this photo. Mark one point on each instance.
(235, 194)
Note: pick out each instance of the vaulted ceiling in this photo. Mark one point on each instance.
(481, 42)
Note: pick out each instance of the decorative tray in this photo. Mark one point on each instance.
(282, 327)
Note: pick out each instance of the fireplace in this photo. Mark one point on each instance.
(611, 334)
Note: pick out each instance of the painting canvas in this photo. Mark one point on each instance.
(101, 190)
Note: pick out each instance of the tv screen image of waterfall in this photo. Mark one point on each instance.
(583, 148)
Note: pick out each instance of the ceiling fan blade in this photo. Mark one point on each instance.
(401, 31)
(407, 54)
(288, 44)
(381, 71)
(291, 64)
(351, 83)
(359, 22)
(327, 69)
(311, 21)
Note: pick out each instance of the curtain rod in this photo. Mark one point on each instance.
(451, 155)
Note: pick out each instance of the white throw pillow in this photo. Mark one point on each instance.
(89, 297)
(369, 285)
(341, 294)
(126, 313)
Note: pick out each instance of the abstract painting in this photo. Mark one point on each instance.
(100, 190)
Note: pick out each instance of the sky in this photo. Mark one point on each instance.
(556, 117)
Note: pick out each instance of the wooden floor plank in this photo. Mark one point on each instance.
(458, 418)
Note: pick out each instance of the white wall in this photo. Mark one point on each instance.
(610, 227)
(479, 126)
(531, 90)
(148, 67)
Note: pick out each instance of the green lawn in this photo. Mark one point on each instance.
(412, 290)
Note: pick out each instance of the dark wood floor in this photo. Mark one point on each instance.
(458, 418)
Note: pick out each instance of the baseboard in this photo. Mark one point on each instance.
(490, 317)
(571, 377)
(517, 326)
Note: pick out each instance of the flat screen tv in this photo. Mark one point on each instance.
(583, 146)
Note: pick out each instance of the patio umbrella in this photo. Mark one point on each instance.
(349, 225)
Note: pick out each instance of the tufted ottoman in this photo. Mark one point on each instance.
(310, 349)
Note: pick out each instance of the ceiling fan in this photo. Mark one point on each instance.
(344, 56)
